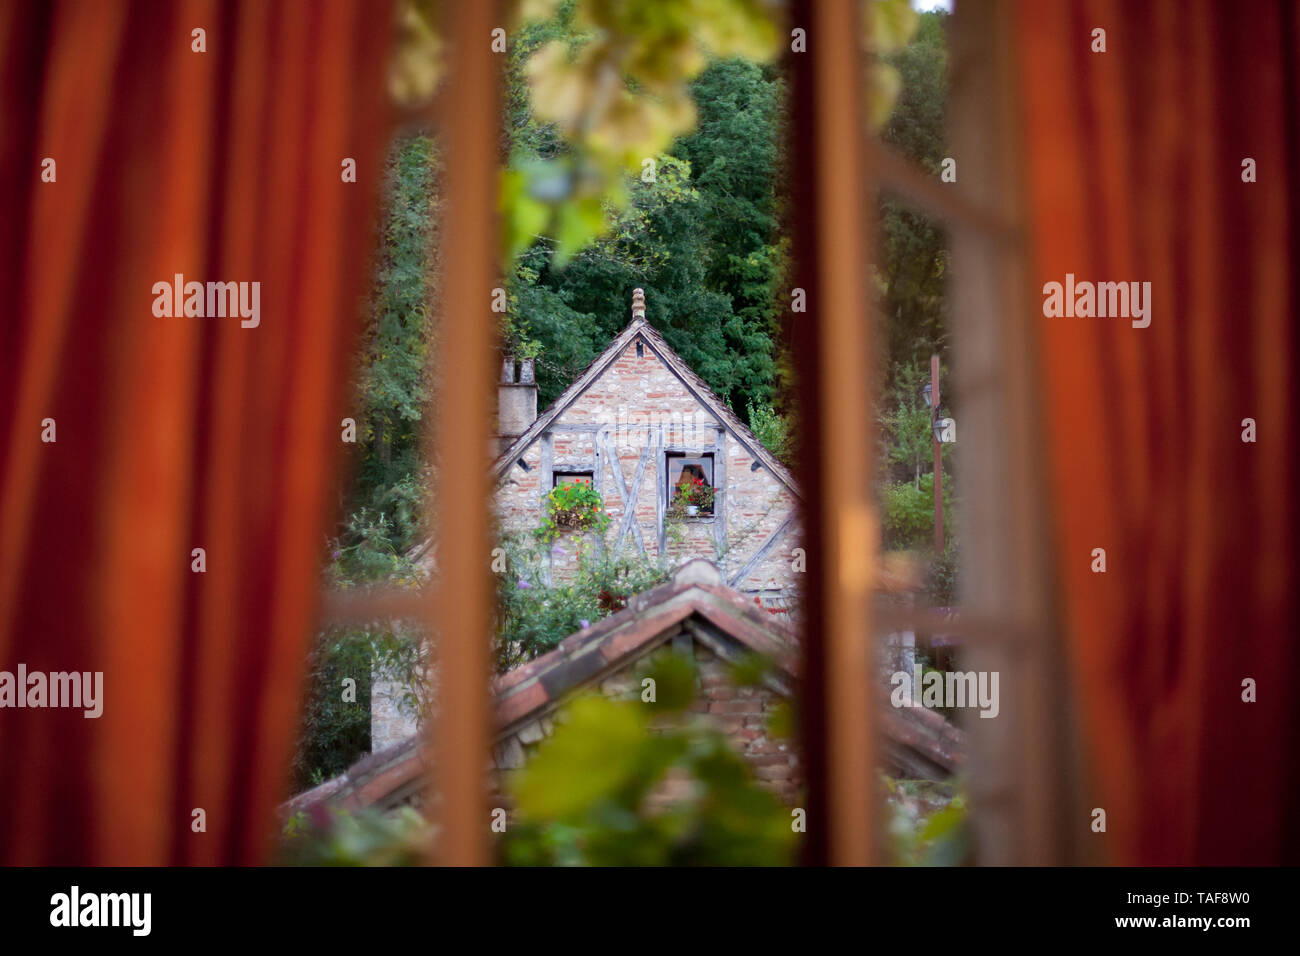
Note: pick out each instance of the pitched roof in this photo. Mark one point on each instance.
(692, 382)
(694, 602)
(694, 594)
(699, 389)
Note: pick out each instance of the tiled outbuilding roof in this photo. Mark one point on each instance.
(695, 603)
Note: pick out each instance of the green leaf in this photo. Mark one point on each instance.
(592, 755)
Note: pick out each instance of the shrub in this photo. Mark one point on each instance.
(907, 513)
(927, 822)
(372, 547)
(534, 616)
(587, 797)
(335, 732)
(772, 430)
(366, 837)
(941, 577)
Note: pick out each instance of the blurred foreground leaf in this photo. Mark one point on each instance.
(633, 783)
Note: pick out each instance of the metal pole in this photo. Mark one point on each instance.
(938, 459)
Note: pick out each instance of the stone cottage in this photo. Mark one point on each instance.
(635, 425)
(632, 425)
(694, 614)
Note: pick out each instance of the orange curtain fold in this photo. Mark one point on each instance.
(1134, 161)
(172, 433)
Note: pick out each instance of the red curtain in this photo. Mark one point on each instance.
(1134, 162)
(172, 433)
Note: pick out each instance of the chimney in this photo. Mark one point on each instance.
(516, 400)
(638, 304)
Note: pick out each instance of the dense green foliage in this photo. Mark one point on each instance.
(587, 796)
(912, 270)
(700, 233)
(612, 79)
(911, 279)
(382, 508)
(907, 442)
(394, 389)
(335, 728)
(367, 838)
(775, 431)
(908, 514)
(534, 615)
(927, 823)
(334, 731)
(906, 485)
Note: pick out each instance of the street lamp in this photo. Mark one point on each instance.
(926, 394)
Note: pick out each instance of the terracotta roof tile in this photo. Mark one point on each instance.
(650, 619)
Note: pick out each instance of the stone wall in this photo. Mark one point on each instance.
(741, 713)
(620, 430)
(395, 709)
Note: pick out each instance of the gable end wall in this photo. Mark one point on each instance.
(620, 429)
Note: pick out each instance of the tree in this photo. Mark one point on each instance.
(382, 505)
(912, 273)
(773, 430)
(909, 440)
(702, 238)
(393, 386)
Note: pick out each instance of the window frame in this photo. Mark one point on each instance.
(688, 458)
(1023, 769)
(558, 474)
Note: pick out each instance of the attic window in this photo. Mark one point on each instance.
(571, 477)
(682, 469)
(639, 350)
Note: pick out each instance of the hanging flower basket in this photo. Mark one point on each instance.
(575, 506)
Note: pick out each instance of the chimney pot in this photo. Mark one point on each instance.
(516, 400)
(638, 303)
